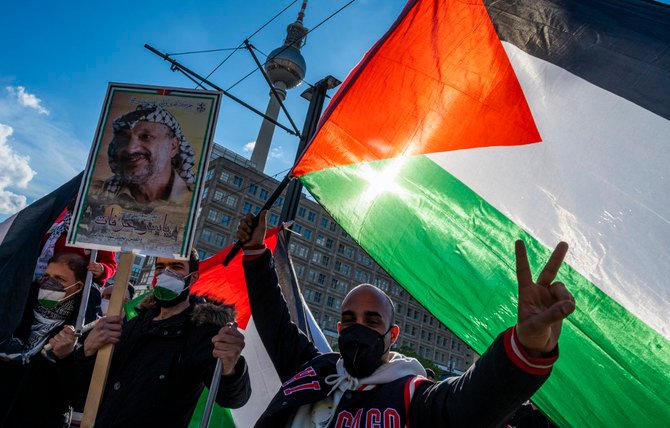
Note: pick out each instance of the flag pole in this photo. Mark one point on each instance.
(86, 293)
(316, 95)
(213, 391)
(104, 355)
(268, 204)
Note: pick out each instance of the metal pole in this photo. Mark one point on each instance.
(85, 294)
(177, 66)
(318, 95)
(268, 204)
(250, 48)
(211, 397)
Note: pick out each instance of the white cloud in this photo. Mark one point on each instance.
(249, 147)
(15, 171)
(277, 152)
(56, 153)
(27, 99)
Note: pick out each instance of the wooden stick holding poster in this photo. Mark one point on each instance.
(104, 356)
(142, 186)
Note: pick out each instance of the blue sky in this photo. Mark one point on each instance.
(57, 59)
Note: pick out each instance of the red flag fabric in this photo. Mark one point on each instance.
(226, 283)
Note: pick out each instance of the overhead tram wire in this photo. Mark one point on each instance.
(205, 51)
(248, 38)
(286, 47)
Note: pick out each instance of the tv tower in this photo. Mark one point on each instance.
(286, 68)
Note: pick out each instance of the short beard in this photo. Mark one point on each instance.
(137, 178)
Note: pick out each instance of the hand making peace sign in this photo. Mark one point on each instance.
(542, 304)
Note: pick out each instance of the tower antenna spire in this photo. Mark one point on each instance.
(285, 69)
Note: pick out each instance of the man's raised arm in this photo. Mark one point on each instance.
(516, 364)
(288, 347)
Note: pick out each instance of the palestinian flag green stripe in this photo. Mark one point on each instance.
(461, 267)
(221, 417)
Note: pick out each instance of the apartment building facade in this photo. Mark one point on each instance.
(327, 262)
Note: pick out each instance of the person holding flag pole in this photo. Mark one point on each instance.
(165, 356)
(366, 384)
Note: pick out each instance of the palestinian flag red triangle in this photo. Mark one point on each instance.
(414, 94)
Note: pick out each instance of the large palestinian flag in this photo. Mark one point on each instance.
(471, 124)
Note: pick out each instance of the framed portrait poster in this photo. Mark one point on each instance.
(143, 182)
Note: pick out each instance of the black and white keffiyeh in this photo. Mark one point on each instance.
(182, 162)
(45, 320)
(48, 250)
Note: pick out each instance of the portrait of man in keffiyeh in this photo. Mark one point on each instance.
(150, 158)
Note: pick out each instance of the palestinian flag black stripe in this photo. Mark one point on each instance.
(620, 46)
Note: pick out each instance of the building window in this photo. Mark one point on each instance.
(361, 276)
(308, 293)
(333, 226)
(311, 216)
(219, 239)
(204, 192)
(302, 211)
(329, 243)
(345, 250)
(320, 240)
(279, 202)
(224, 177)
(252, 189)
(213, 215)
(299, 270)
(206, 235)
(263, 195)
(317, 297)
(231, 201)
(209, 175)
(343, 268)
(273, 220)
(324, 223)
(237, 181)
(297, 228)
(382, 284)
(307, 234)
(225, 220)
(364, 259)
(247, 208)
(218, 195)
(321, 279)
(316, 257)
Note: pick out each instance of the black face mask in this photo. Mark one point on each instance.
(362, 349)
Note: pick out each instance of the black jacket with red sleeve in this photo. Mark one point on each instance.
(491, 390)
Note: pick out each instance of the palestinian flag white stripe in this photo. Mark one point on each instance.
(596, 181)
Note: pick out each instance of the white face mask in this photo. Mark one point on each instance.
(52, 293)
(104, 306)
(169, 285)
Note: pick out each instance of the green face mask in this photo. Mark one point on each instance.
(52, 293)
(169, 285)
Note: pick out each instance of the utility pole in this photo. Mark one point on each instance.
(316, 96)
